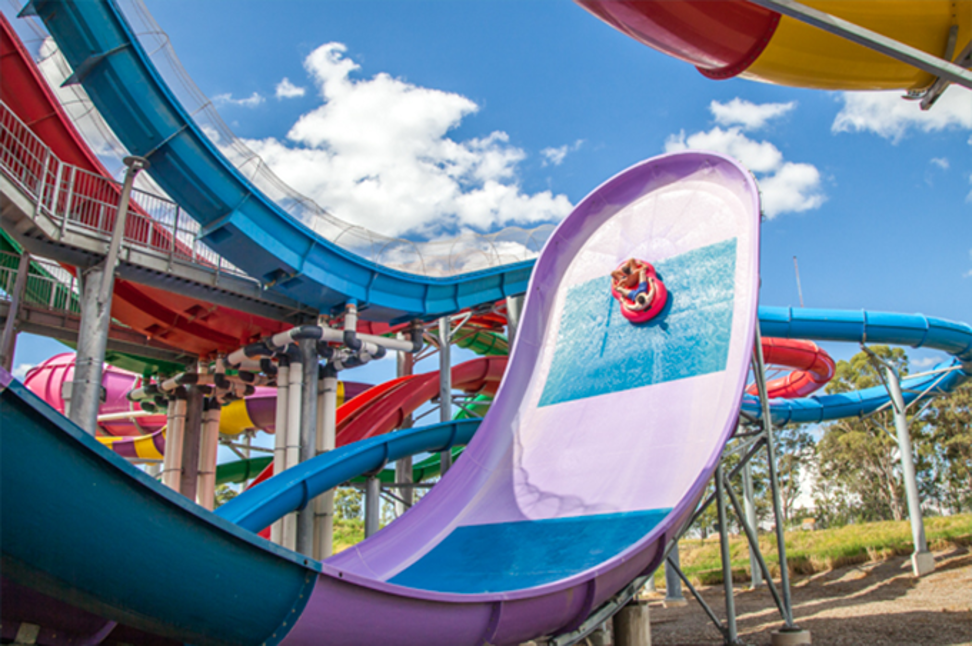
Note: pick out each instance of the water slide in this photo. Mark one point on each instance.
(740, 38)
(189, 324)
(240, 221)
(518, 540)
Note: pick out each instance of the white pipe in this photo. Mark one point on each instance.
(111, 417)
(294, 396)
(172, 464)
(326, 441)
(280, 438)
(208, 449)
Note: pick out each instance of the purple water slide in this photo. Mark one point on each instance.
(601, 438)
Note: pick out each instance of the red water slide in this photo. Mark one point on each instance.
(383, 408)
(186, 323)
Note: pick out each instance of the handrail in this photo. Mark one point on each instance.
(76, 198)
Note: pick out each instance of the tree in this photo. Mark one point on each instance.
(224, 493)
(948, 447)
(858, 457)
(795, 455)
(347, 503)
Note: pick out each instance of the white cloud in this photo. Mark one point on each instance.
(968, 198)
(887, 115)
(251, 101)
(21, 370)
(927, 362)
(785, 186)
(941, 162)
(556, 156)
(749, 116)
(287, 90)
(376, 152)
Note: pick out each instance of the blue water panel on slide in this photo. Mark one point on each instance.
(500, 557)
(600, 352)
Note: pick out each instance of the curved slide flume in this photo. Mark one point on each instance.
(518, 540)
(189, 324)
(239, 221)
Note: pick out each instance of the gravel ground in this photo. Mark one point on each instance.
(872, 604)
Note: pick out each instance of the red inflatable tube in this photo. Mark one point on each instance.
(812, 367)
(626, 281)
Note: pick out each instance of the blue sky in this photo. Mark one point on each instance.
(512, 111)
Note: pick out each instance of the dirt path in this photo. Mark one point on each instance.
(873, 604)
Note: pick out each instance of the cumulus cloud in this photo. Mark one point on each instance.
(941, 162)
(746, 115)
(251, 101)
(555, 156)
(287, 90)
(376, 152)
(887, 115)
(785, 186)
(21, 370)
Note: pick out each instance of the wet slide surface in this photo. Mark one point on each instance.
(619, 467)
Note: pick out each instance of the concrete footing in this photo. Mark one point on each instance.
(790, 637)
(922, 563)
(632, 626)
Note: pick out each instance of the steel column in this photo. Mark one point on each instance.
(403, 468)
(280, 433)
(673, 584)
(8, 343)
(326, 441)
(922, 562)
(191, 438)
(308, 436)
(732, 636)
(445, 383)
(749, 500)
(372, 502)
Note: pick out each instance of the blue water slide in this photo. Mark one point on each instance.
(859, 326)
(238, 220)
(290, 490)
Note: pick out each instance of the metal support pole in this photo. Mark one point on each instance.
(308, 436)
(673, 584)
(372, 505)
(8, 343)
(96, 315)
(86, 386)
(172, 462)
(514, 307)
(294, 396)
(749, 500)
(280, 433)
(208, 450)
(732, 636)
(326, 441)
(191, 438)
(922, 561)
(445, 384)
(403, 468)
(790, 632)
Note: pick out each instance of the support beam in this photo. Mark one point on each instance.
(280, 433)
(8, 342)
(632, 626)
(403, 468)
(673, 584)
(98, 284)
(308, 436)
(326, 441)
(514, 307)
(372, 504)
(172, 463)
(191, 438)
(208, 450)
(922, 561)
(445, 383)
(732, 634)
(749, 501)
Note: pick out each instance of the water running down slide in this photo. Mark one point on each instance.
(562, 536)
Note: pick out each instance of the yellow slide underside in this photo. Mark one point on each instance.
(801, 55)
